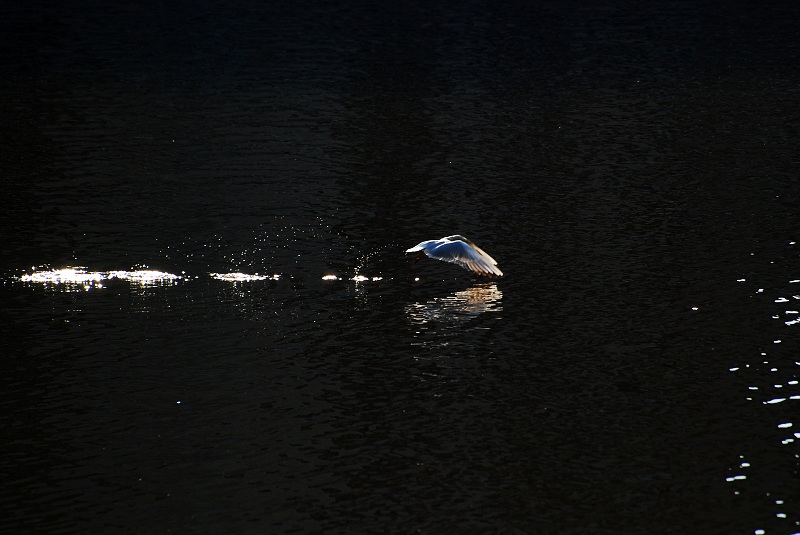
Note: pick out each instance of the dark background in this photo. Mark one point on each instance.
(632, 166)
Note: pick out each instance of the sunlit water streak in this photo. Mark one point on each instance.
(74, 278)
(355, 278)
(243, 277)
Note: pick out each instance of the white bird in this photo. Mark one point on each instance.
(458, 250)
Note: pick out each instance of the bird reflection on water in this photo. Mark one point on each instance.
(457, 308)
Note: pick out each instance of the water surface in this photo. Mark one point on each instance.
(240, 345)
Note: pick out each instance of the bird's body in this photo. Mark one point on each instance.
(458, 250)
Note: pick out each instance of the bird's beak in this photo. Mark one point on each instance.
(418, 257)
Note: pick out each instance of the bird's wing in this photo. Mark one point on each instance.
(466, 256)
(420, 246)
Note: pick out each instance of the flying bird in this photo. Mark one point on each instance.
(458, 250)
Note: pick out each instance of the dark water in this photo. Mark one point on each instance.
(634, 169)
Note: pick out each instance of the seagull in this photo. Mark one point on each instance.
(458, 250)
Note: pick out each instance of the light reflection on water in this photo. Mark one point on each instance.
(770, 377)
(77, 275)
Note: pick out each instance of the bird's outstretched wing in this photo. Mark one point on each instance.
(468, 256)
